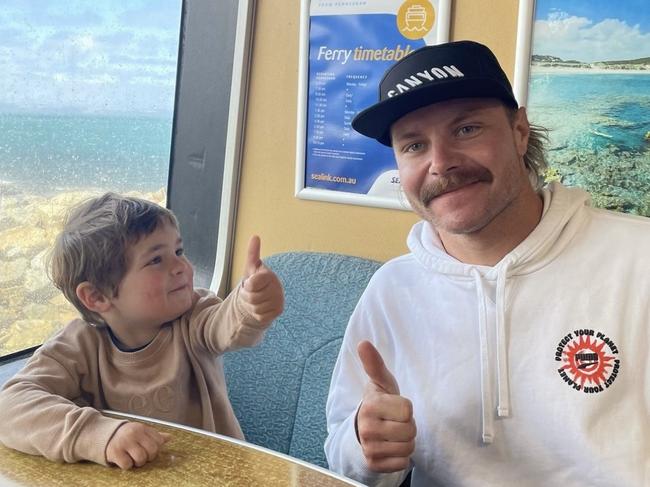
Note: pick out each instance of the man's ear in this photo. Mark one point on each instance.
(521, 131)
(92, 298)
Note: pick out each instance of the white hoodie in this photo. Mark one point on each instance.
(534, 372)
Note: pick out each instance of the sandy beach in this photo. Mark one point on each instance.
(31, 308)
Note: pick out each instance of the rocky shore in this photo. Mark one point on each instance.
(617, 180)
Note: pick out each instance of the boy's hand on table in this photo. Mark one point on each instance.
(261, 294)
(135, 444)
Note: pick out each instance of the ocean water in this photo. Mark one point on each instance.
(598, 124)
(53, 153)
(592, 110)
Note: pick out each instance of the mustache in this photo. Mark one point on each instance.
(450, 182)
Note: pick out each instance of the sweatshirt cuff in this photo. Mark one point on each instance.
(93, 440)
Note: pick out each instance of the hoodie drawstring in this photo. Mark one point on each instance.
(503, 384)
(487, 432)
(503, 388)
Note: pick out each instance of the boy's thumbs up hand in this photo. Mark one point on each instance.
(385, 422)
(253, 261)
(261, 294)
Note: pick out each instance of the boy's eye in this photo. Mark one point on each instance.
(180, 252)
(156, 260)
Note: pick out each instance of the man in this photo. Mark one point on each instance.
(510, 346)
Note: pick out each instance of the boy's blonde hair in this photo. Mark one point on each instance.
(94, 241)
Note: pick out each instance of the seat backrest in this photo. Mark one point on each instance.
(279, 388)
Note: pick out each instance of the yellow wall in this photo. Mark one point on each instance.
(267, 205)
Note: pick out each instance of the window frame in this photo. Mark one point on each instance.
(207, 141)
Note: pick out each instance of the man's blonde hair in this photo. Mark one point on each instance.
(535, 156)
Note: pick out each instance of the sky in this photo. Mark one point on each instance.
(80, 56)
(592, 30)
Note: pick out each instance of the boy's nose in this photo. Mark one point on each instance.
(178, 266)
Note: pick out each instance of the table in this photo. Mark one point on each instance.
(191, 458)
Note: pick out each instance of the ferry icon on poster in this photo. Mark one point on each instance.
(415, 18)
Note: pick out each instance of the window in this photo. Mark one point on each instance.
(86, 105)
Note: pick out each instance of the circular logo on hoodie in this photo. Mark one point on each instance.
(588, 361)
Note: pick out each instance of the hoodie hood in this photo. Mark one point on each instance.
(561, 220)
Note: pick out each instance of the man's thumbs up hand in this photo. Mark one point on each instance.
(376, 370)
(385, 422)
(261, 294)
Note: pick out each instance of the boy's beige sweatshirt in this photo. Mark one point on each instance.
(51, 407)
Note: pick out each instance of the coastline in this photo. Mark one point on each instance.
(537, 69)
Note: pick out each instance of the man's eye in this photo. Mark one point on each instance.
(467, 130)
(180, 252)
(415, 147)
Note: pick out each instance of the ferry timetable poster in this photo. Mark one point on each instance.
(346, 46)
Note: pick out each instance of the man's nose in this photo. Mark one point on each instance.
(442, 159)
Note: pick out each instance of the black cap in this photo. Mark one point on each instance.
(462, 69)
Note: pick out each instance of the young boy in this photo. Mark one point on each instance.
(147, 344)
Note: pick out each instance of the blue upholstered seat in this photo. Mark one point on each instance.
(279, 388)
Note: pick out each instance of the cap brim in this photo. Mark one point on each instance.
(376, 121)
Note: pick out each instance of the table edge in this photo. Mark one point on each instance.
(235, 441)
